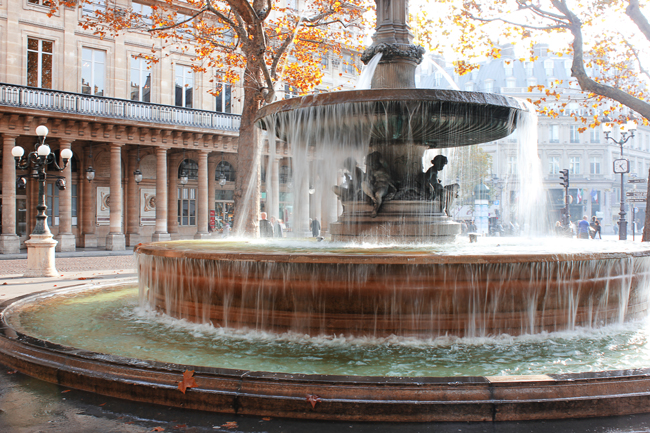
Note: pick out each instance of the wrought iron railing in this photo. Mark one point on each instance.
(76, 103)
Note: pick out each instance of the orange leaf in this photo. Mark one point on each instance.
(230, 424)
(188, 381)
(158, 429)
(313, 399)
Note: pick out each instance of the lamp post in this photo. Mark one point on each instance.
(40, 246)
(621, 166)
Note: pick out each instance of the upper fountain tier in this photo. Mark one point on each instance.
(427, 117)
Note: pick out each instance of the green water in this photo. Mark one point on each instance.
(110, 321)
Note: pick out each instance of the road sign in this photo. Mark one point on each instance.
(636, 194)
(636, 200)
(637, 180)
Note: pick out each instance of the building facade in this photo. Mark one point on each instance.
(594, 188)
(119, 115)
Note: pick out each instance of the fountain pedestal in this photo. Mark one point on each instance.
(398, 222)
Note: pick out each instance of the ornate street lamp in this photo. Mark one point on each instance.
(40, 246)
(90, 171)
(221, 176)
(621, 166)
(137, 174)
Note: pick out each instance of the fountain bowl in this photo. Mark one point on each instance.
(324, 397)
(432, 118)
(377, 293)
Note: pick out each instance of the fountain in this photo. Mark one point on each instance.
(427, 286)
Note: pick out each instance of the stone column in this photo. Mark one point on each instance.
(132, 203)
(273, 199)
(172, 198)
(88, 238)
(212, 187)
(202, 198)
(115, 240)
(9, 241)
(67, 241)
(161, 233)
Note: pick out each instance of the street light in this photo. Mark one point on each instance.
(137, 174)
(40, 247)
(621, 166)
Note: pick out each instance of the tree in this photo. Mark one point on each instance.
(260, 42)
(608, 41)
(607, 59)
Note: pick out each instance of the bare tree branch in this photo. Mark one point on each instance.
(633, 11)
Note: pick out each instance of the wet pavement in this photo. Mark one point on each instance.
(29, 405)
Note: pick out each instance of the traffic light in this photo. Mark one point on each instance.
(564, 178)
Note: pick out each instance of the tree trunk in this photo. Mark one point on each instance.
(247, 183)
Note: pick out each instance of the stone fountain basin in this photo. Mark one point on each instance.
(348, 398)
(428, 117)
(406, 293)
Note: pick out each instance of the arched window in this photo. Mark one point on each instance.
(226, 169)
(190, 168)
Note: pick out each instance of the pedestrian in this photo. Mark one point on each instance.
(315, 228)
(583, 228)
(596, 226)
(226, 230)
(277, 228)
(266, 229)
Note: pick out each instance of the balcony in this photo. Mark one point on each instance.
(33, 98)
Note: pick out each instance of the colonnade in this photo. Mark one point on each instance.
(118, 238)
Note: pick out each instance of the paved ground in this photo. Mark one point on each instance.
(28, 405)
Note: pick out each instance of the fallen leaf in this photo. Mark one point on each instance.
(230, 424)
(67, 390)
(4, 284)
(12, 372)
(180, 426)
(268, 418)
(188, 381)
(82, 278)
(158, 429)
(129, 422)
(102, 404)
(55, 285)
(313, 399)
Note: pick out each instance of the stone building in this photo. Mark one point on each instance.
(118, 116)
(594, 188)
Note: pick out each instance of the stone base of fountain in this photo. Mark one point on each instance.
(407, 294)
(328, 397)
(397, 222)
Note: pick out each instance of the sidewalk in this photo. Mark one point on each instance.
(73, 271)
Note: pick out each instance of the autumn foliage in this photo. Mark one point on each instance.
(607, 41)
(257, 45)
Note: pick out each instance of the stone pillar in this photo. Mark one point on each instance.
(88, 238)
(202, 198)
(132, 203)
(212, 187)
(172, 198)
(115, 240)
(273, 199)
(9, 241)
(161, 233)
(67, 241)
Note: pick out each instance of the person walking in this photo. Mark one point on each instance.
(266, 229)
(595, 224)
(583, 228)
(315, 228)
(277, 228)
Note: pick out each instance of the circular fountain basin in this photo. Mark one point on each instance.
(428, 117)
(98, 340)
(420, 292)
